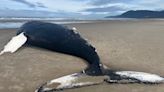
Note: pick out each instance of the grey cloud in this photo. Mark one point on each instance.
(105, 9)
(30, 4)
(25, 2)
(41, 5)
(104, 2)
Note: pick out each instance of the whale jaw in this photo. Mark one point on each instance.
(14, 44)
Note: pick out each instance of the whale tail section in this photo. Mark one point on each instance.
(78, 80)
(14, 44)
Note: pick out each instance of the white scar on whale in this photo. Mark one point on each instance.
(74, 80)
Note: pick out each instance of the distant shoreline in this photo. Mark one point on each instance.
(13, 23)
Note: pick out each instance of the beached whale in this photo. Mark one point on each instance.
(60, 39)
(65, 40)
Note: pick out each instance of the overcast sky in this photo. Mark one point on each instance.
(83, 7)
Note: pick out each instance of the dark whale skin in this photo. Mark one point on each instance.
(61, 39)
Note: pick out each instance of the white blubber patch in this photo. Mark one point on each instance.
(74, 28)
(14, 44)
(141, 76)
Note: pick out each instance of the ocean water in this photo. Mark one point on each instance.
(6, 23)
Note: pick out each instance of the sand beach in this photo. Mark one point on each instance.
(136, 45)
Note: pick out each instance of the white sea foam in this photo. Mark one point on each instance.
(5, 25)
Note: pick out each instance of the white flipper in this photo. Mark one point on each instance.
(70, 81)
(14, 44)
(141, 76)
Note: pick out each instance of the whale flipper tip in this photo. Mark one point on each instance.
(15, 43)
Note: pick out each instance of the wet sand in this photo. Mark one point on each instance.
(136, 45)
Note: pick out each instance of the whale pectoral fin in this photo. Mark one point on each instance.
(134, 77)
(14, 44)
(71, 81)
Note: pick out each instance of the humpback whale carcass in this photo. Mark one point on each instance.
(65, 40)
